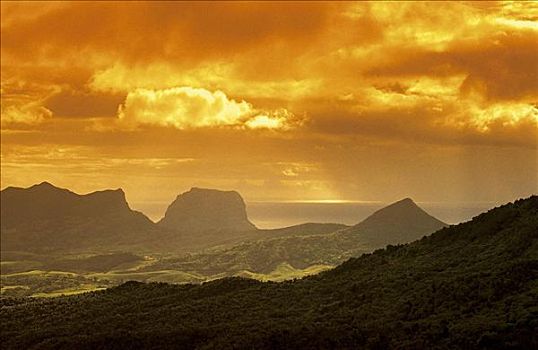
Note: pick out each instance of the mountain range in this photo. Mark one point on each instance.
(468, 286)
(47, 219)
(302, 247)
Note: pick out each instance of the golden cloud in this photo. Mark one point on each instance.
(29, 113)
(22, 104)
(190, 108)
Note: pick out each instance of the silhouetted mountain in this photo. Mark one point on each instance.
(47, 218)
(202, 218)
(306, 245)
(45, 201)
(470, 286)
(202, 210)
(400, 222)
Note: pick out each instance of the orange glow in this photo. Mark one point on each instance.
(295, 101)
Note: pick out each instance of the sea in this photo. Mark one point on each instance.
(279, 214)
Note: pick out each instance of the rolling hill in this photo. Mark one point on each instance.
(308, 245)
(472, 285)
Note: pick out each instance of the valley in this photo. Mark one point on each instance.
(225, 244)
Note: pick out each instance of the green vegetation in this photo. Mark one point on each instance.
(9, 267)
(97, 237)
(53, 276)
(285, 272)
(39, 283)
(307, 245)
(46, 275)
(94, 263)
(474, 285)
(265, 255)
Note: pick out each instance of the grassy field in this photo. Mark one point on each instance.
(69, 291)
(284, 272)
(25, 281)
(283, 256)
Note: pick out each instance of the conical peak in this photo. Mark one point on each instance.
(406, 202)
(403, 212)
(400, 209)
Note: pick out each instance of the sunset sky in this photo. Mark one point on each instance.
(279, 101)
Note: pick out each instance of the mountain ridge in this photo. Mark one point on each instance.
(472, 285)
(46, 217)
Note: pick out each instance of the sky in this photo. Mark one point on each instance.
(286, 101)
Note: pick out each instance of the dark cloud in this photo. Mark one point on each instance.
(397, 98)
(138, 31)
(421, 124)
(84, 105)
(503, 66)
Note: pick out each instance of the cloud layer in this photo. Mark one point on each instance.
(376, 98)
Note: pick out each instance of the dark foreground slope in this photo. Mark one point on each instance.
(472, 286)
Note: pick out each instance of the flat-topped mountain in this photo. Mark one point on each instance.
(400, 222)
(44, 217)
(206, 210)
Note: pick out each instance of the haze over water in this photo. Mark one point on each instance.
(275, 214)
(268, 215)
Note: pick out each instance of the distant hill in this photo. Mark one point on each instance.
(47, 218)
(306, 245)
(205, 218)
(401, 222)
(470, 286)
